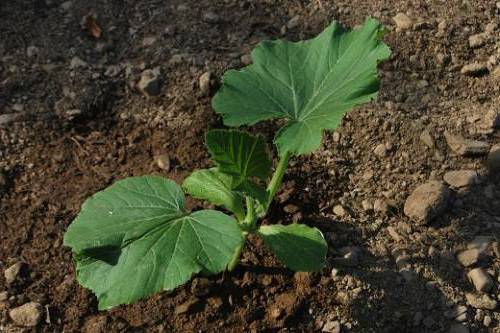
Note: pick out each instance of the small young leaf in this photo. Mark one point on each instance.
(239, 154)
(134, 239)
(311, 83)
(297, 246)
(256, 192)
(216, 187)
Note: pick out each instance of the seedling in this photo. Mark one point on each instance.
(136, 237)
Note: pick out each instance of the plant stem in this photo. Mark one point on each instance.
(236, 257)
(250, 218)
(275, 183)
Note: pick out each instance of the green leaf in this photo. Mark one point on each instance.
(216, 187)
(257, 192)
(239, 154)
(135, 238)
(311, 83)
(297, 246)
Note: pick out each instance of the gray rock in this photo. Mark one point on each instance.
(211, 17)
(12, 272)
(32, 51)
(465, 147)
(481, 280)
(294, 22)
(474, 69)
(163, 162)
(493, 159)
(27, 315)
(66, 5)
(150, 82)
(205, 83)
(487, 321)
(77, 63)
(460, 178)
(468, 257)
(427, 201)
(331, 327)
(8, 118)
(484, 301)
(113, 70)
(478, 40)
(402, 21)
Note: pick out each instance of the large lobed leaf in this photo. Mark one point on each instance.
(297, 246)
(135, 238)
(311, 83)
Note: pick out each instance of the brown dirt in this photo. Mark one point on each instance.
(52, 160)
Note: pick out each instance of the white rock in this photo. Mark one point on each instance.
(163, 162)
(460, 178)
(481, 280)
(205, 83)
(12, 272)
(484, 301)
(468, 257)
(339, 211)
(427, 201)
(380, 150)
(28, 314)
(402, 21)
(474, 69)
(477, 40)
(331, 327)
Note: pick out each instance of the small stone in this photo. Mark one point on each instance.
(427, 138)
(394, 234)
(465, 147)
(460, 178)
(205, 83)
(481, 280)
(494, 159)
(211, 17)
(474, 69)
(458, 328)
(402, 21)
(201, 286)
(380, 150)
(484, 301)
(381, 206)
(150, 83)
(491, 120)
(294, 22)
(77, 63)
(28, 314)
(7, 118)
(32, 51)
(367, 205)
(339, 211)
(187, 306)
(163, 162)
(66, 5)
(148, 41)
(487, 321)
(113, 71)
(427, 201)
(13, 272)
(246, 59)
(459, 311)
(468, 257)
(4, 295)
(477, 40)
(331, 327)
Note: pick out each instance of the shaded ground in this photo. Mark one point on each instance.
(53, 157)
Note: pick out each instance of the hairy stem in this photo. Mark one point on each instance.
(275, 183)
(236, 257)
(250, 218)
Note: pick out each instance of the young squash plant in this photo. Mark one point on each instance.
(136, 237)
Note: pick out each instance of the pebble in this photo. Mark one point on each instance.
(331, 327)
(466, 147)
(458, 313)
(427, 201)
(32, 51)
(113, 70)
(28, 314)
(380, 150)
(77, 63)
(367, 205)
(150, 82)
(484, 301)
(12, 272)
(427, 138)
(163, 162)
(205, 83)
(246, 59)
(493, 159)
(402, 21)
(491, 120)
(290, 209)
(186, 306)
(381, 206)
(8, 118)
(339, 211)
(468, 257)
(66, 5)
(294, 22)
(4, 295)
(458, 328)
(477, 40)
(211, 17)
(460, 178)
(487, 321)
(474, 69)
(481, 280)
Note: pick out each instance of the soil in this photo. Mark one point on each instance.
(73, 122)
